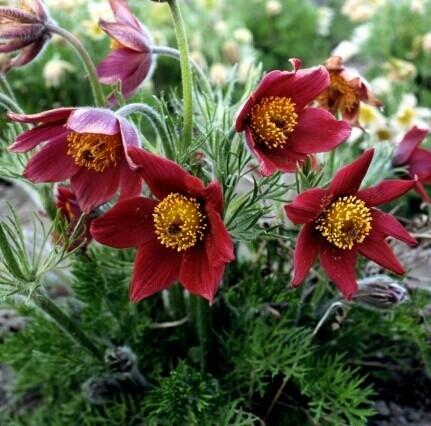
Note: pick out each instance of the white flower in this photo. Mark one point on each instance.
(418, 6)
(361, 10)
(346, 49)
(325, 16)
(243, 35)
(409, 114)
(218, 74)
(381, 86)
(273, 7)
(426, 43)
(55, 70)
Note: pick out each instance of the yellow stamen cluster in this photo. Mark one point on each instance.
(272, 119)
(178, 221)
(94, 151)
(345, 222)
(343, 96)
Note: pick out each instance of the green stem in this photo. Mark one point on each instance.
(186, 73)
(6, 88)
(202, 319)
(174, 53)
(66, 324)
(10, 104)
(82, 52)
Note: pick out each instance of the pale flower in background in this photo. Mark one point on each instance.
(273, 7)
(218, 74)
(325, 16)
(55, 70)
(375, 123)
(231, 51)
(381, 86)
(221, 27)
(409, 114)
(199, 58)
(399, 70)
(243, 35)
(245, 69)
(346, 50)
(418, 6)
(426, 43)
(91, 26)
(361, 10)
(64, 5)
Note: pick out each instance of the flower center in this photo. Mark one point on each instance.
(340, 95)
(94, 151)
(272, 119)
(345, 222)
(178, 222)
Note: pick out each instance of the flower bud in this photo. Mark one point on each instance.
(273, 7)
(55, 70)
(120, 359)
(218, 74)
(380, 291)
(231, 51)
(243, 35)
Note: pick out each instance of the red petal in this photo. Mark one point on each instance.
(51, 163)
(130, 182)
(420, 164)
(339, 265)
(409, 143)
(126, 35)
(31, 138)
(214, 195)
(306, 251)
(377, 249)
(128, 224)
(385, 191)
(94, 188)
(198, 275)
(163, 176)
(122, 13)
(317, 131)
(349, 178)
(388, 225)
(420, 189)
(156, 268)
(307, 205)
(50, 116)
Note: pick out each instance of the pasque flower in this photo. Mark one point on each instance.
(69, 209)
(343, 221)
(180, 235)
(87, 145)
(280, 129)
(23, 29)
(346, 91)
(131, 60)
(417, 160)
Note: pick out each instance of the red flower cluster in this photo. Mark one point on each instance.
(342, 221)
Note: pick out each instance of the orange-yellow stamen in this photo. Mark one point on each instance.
(272, 119)
(94, 151)
(340, 96)
(178, 221)
(346, 222)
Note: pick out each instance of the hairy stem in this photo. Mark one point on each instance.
(88, 63)
(186, 73)
(6, 88)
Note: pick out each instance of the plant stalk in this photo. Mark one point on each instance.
(88, 63)
(186, 73)
(202, 319)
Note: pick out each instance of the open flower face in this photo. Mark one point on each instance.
(417, 160)
(180, 235)
(131, 60)
(345, 92)
(280, 129)
(23, 29)
(343, 221)
(87, 145)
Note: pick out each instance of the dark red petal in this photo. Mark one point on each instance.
(132, 83)
(385, 191)
(126, 35)
(306, 251)
(198, 275)
(317, 131)
(349, 178)
(50, 116)
(218, 242)
(420, 189)
(94, 188)
(130, 182)
(388, 225)
(128, 224)
(31, 138)
(378, 250)
(163, 176)
(51, 163)
(307, 205)
(419, 164)
(214, 195)
(409, 143)
(29, 53)
(339, 266)
(156, 268)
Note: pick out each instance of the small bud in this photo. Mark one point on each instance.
(243, 35)
(273, 7)
(231, 51)
(380, 291)
(120, 359)
(218, 74)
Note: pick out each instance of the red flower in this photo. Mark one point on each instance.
(69, 208)
(180, 236)
(87, 145)
(418, 160)
(346, 91)
(342, 221)
(131, 60)
(280, 129)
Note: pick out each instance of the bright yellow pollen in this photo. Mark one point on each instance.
(272, 119)
(94, 151)
(345, 222)
(178, 221)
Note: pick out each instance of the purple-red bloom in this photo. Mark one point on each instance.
(280, 129)
(346, 91)
(417, 160)
(342, 221)
(131, 60)
(87, 145)
(69, 208)
(180, 235)
(24, 29)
